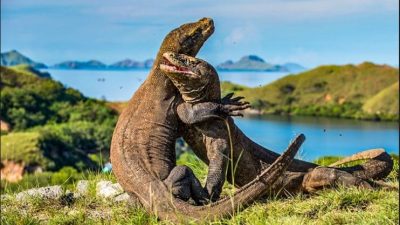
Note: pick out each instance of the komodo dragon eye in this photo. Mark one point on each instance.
(196, 34)
(187, 41)
(187, 61)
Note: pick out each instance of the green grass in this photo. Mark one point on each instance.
(339, 206)
(228, 87)
(22, 147)
(65, 177)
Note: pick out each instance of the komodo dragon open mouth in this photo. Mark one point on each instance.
(173, 63)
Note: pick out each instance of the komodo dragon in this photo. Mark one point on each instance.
(198, 82)
(143, 152)
(301, 176)
(250, 158)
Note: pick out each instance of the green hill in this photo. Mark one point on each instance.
(52, 126)
(13, 58)
(386, 101)
(339, 91)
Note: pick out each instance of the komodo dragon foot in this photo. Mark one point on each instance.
(183, 184)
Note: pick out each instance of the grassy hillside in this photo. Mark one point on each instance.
(386, 101)
(24, 68)
(339, 91)
(28, 100)
(22, 146)
(52, 126)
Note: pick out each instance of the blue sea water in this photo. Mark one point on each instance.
(324, 136)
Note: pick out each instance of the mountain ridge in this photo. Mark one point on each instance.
(256, 63)
(245, 63)
(14, 58)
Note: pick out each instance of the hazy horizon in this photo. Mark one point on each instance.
(307, 32)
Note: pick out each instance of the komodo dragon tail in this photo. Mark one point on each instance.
(378, 165)
(158, 200)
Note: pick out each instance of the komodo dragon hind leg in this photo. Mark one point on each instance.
(324, 177)
(183, 184)
(378, 166)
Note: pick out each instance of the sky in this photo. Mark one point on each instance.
(308, 32)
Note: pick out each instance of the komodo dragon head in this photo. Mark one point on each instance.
(194, 78)
(188, 38)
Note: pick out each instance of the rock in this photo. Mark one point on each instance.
(128, 199)
(103, 215)
(122, 198)
(51, 192)
(82, 187)
(106, 189)
(68, 198)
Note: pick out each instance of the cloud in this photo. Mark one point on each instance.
(273, 11)
(300, 9)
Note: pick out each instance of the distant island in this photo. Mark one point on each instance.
(14, 58)
(91, 64)
(132, 64)
(255, 63)
(125, 64)
(246, 63)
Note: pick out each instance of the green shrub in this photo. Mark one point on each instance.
(54, 146)
(67, 175)
(70, 144)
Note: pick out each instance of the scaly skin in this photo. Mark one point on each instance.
(193, 78)
(143, 152)
(197, 81)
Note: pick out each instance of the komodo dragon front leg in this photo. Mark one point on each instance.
(181, 181)
(209, 119)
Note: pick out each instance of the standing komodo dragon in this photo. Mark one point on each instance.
(301, 176)
(198, 82)
(143, 151)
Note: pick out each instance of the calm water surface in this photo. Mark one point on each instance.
(324, 136)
